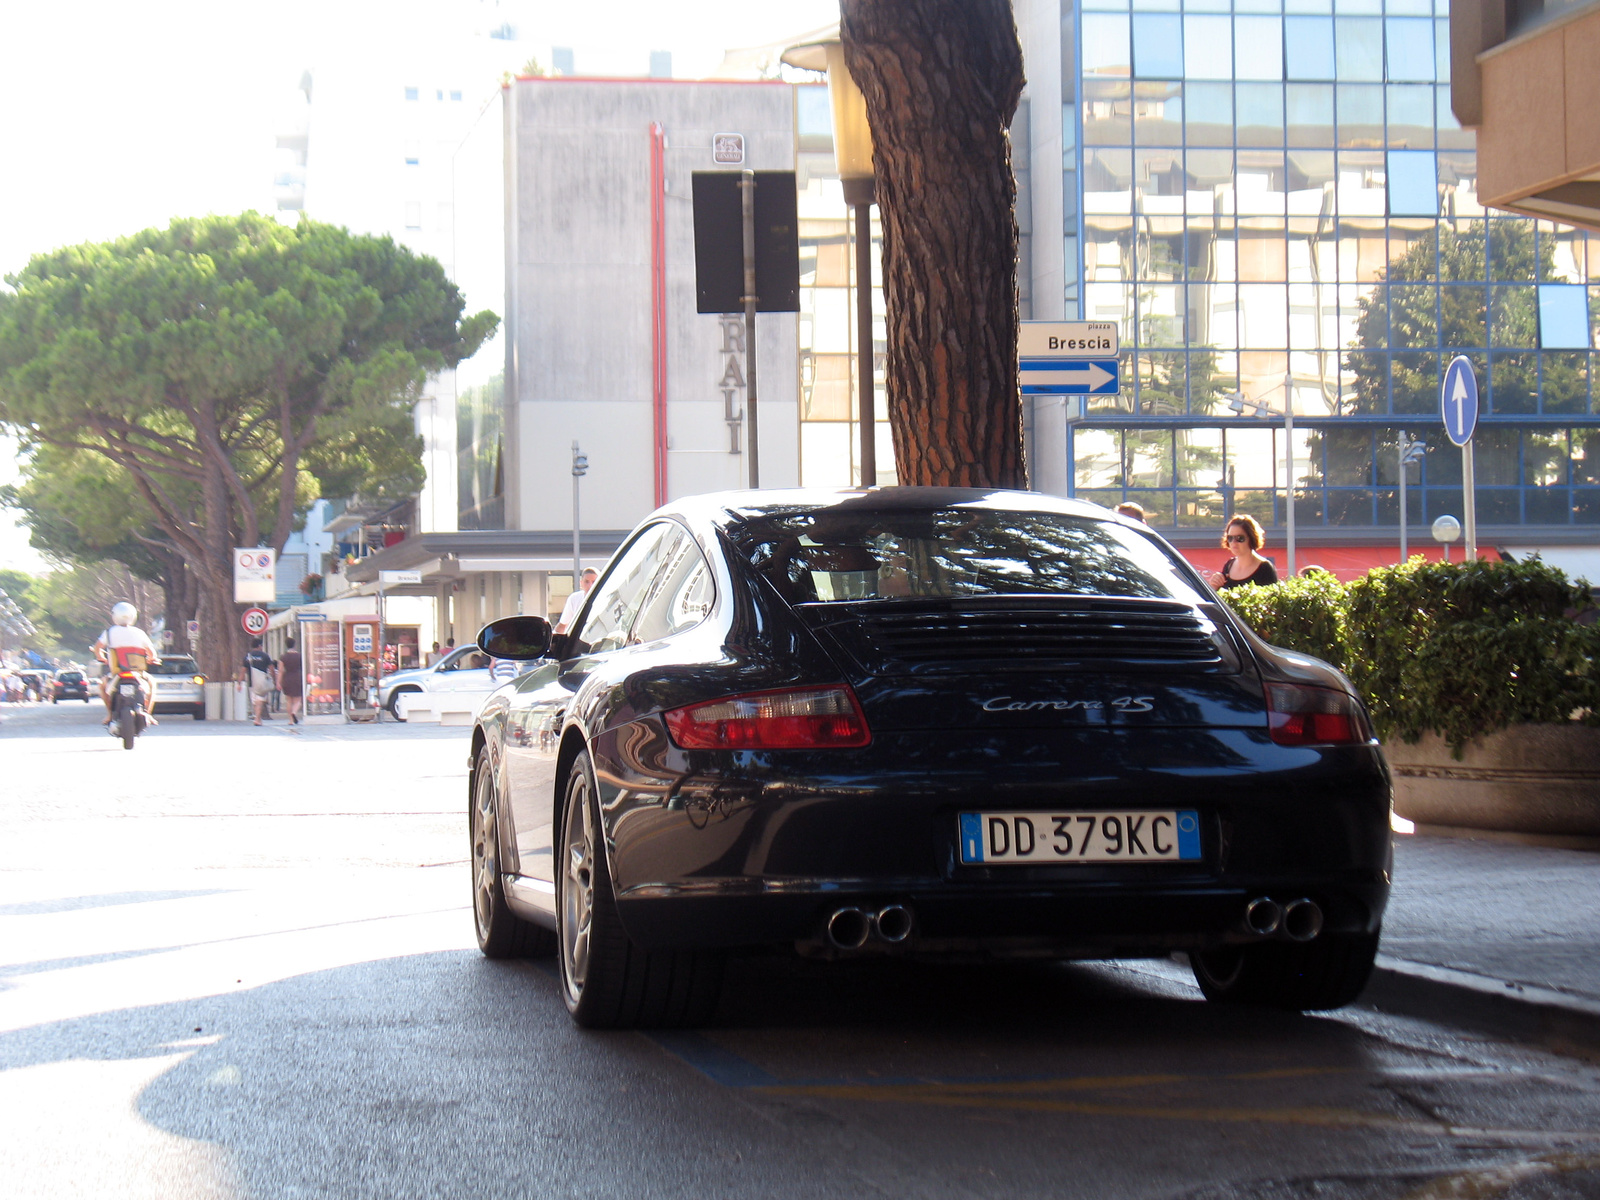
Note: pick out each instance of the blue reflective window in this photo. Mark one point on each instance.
(1261, 40)
(1358, 47)
(1413, 184)
(1441, 43)
(1410, 45)
(1308, 109)
(1157, 46)
(1260, 114)
(1105, 44)
(1308, 47)
(1208, 48)
(1563, 316)
(1411, 115)
(411, 93)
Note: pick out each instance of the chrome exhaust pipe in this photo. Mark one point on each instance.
(1302, 920)
(893, 922)
(848, 929)
(1263, 915)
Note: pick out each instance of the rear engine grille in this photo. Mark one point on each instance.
(1021, 634)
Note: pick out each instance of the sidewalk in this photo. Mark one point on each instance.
(1496, 936)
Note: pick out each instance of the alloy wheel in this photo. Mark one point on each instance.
(577, 894)
(485, 852)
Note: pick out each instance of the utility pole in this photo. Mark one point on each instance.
(747, 198)
(580, 468)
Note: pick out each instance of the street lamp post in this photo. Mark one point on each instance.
(852, 150)
(580, 468)
(1408, 450)
(1288, 452)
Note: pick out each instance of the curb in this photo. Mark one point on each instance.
(1522, 1012)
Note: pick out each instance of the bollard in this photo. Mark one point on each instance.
(241, 702)
(213, 701)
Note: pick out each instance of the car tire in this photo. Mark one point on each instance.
(394, 702)
(607, 980)
(501, 933)
(1329, 972)
(199, 713)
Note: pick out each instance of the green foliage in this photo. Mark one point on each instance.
(1306, 613)
(219, 374)
(1464, 649)
(1456, 649)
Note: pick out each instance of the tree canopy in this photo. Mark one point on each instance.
(230, 369)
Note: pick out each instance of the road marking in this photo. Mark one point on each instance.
(1483, 1183)
(730, 1069)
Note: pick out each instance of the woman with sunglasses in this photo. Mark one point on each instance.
(1243, 539)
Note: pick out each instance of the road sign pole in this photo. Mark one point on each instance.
(1469, 500)
(747, 204)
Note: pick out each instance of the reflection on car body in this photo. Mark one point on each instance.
(804, 719)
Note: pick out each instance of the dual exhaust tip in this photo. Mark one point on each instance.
(1298, 920)
(849, 928)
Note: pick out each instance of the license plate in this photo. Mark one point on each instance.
(126, 689)
(1035, 838)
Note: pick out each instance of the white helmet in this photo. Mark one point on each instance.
(123, 613)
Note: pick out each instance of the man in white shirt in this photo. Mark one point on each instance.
(574, 604)
(122, 637)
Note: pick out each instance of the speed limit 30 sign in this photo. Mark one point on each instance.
(254, 621)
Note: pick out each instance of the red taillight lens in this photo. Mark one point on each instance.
(1304, 716)
(806, 719)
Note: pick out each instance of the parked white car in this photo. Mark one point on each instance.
(464, 669)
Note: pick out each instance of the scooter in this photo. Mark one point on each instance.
(128, 717)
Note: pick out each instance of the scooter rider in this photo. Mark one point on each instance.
(114, 647)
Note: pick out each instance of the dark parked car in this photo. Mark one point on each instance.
(70, 685)
(940, 723)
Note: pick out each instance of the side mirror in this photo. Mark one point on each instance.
(521, 639)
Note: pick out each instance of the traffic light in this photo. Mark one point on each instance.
(580, 462)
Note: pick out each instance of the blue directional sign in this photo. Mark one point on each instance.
(1069, 358)
(1069, 376)
(1458, 400)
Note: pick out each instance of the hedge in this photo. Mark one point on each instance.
(1456, 649)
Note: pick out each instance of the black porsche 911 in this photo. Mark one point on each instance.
(946, 723)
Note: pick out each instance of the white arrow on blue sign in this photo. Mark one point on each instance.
(1068, 376)
(1458, 400)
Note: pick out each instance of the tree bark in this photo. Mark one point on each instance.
(942, 79)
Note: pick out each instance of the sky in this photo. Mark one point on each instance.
(120, 116)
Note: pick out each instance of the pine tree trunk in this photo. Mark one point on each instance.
(942, 79)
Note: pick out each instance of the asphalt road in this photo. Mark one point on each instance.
(239, 962)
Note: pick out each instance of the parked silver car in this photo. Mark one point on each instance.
(464, 669)
(180, 687)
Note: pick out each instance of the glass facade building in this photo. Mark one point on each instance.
(1273, 202)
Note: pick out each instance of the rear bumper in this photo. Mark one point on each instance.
(747, 849)
(1105, 920)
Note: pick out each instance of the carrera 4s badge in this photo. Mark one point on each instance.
(1126, 704)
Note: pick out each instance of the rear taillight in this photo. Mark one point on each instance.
(802, 719)
(1303, 716)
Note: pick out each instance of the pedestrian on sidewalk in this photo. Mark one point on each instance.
(434, 656)
(258, 674)
(290, 681)
(574, 604)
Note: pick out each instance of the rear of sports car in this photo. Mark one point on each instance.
(1022, 734)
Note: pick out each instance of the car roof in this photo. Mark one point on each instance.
(728, 509)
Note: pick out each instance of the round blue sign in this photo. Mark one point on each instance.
(1458, 400)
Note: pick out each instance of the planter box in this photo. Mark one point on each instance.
(1530, 779)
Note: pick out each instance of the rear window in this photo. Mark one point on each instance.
(175, 666)
(833, 556)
